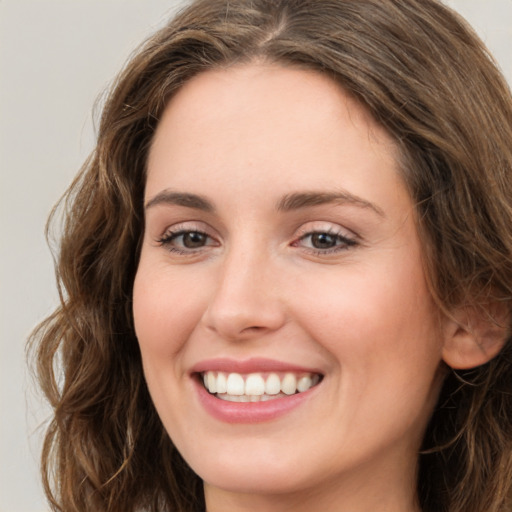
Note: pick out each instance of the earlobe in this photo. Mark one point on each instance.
(475, 335)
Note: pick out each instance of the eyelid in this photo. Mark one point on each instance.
(325, 227)
(173, 234)
(168, 238)
(189, 225)
(347, 239)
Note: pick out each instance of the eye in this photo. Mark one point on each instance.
(324, 242)
(192, 239)
(184, 241)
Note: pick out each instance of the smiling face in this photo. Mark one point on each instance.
(280, 243)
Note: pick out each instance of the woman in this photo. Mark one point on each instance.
(286, 270)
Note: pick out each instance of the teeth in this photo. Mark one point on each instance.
(254, 384)
(211, 382)
(273, 384)
(235, 384)
(256, 387)
(247, 398)
(289, 384)
(222, 383)
(303, 384)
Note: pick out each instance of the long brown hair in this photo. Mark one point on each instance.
(426, 77)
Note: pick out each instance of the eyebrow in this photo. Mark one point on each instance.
(289, 202)
(300, 200)
(181, 199)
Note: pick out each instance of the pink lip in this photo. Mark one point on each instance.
(253, 365)
(249, 412)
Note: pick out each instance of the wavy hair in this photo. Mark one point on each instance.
(423, 75)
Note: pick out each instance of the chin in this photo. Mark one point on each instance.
(256, 480)
(252, 473)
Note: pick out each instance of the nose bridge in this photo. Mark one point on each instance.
(245, 301)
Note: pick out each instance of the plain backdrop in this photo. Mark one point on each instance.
(56, 57)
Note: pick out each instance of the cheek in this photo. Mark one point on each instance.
(383, 337)
(165, 310)
(378, 317)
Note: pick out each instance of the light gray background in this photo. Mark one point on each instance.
(56, 57)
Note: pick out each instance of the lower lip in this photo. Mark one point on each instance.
(250, 412)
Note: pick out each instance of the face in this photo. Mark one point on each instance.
(281, 264)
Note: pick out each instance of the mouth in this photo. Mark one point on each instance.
(257, 387)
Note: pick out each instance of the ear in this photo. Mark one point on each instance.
(474, 335)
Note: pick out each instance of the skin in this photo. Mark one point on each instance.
(256, 286)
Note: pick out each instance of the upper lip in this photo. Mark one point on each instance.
(253, 365)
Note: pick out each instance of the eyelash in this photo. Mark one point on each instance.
(342, 242)
(169, 238)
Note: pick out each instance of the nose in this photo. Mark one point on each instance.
(246, 301)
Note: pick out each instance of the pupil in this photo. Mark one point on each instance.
(323, 240)
(193, 240)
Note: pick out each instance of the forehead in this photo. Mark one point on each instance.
(276, 127)
(269, 97)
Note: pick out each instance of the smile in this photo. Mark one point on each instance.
(257, 387)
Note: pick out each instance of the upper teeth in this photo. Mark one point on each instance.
(258, 384)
